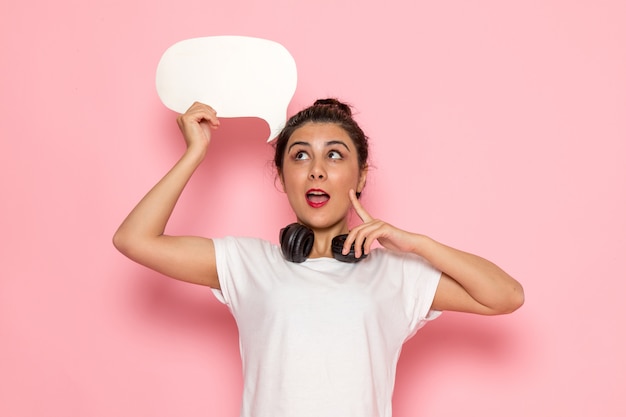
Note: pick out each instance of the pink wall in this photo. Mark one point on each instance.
(496, 127)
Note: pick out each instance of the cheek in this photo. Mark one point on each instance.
(290, 179)
(349, 178)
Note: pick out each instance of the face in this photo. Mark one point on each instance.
(320, 167)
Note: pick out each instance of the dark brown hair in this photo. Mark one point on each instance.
(327, 110)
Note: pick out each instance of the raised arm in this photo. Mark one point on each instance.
(141, 235)
(468, 283)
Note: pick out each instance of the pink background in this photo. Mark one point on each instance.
(496, 127)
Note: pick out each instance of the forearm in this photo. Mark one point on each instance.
(482, 280)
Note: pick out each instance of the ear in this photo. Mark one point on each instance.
(362, 179)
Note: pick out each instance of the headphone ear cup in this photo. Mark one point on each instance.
(296, 242)
(337, 246)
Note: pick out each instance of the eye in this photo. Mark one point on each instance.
(301, 155)
(335, 155)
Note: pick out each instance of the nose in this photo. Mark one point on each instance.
(317, 172)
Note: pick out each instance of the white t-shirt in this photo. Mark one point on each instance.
(321, 338)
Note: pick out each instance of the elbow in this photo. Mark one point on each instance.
(513, 301)
(121, 242)
(505, 302)
(132, 245)
(520, 298)
(517, 297)
(118, 243)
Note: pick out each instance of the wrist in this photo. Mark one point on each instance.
(194, 154)
(421, 244)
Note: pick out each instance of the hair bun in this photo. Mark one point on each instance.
(335, 104)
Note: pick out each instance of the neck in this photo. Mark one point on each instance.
(323, 240)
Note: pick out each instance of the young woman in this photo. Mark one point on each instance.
(323, 316)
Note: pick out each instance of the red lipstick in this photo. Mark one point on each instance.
(317, 198)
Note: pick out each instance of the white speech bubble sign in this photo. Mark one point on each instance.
(238, 76)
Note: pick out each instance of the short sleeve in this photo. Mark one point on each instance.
(421, 282)
(240, 262)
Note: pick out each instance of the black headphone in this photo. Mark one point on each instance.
(296, 242)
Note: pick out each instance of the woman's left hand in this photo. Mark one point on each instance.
(372, 229)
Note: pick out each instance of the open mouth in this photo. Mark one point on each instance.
(317, 198)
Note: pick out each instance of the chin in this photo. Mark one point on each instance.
(321, 218)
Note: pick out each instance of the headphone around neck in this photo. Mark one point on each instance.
(296, 242)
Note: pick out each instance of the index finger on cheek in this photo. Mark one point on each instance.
(358, 207)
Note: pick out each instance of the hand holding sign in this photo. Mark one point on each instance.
(238, 76)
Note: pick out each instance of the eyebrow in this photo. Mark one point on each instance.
(329, 143)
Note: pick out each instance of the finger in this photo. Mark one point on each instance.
(211, 116)
(214, 122)
(351, 240)
(200, 110)
(208, 115)
(365, 237)
(358, 207)
(200, 105)
(361, 237)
